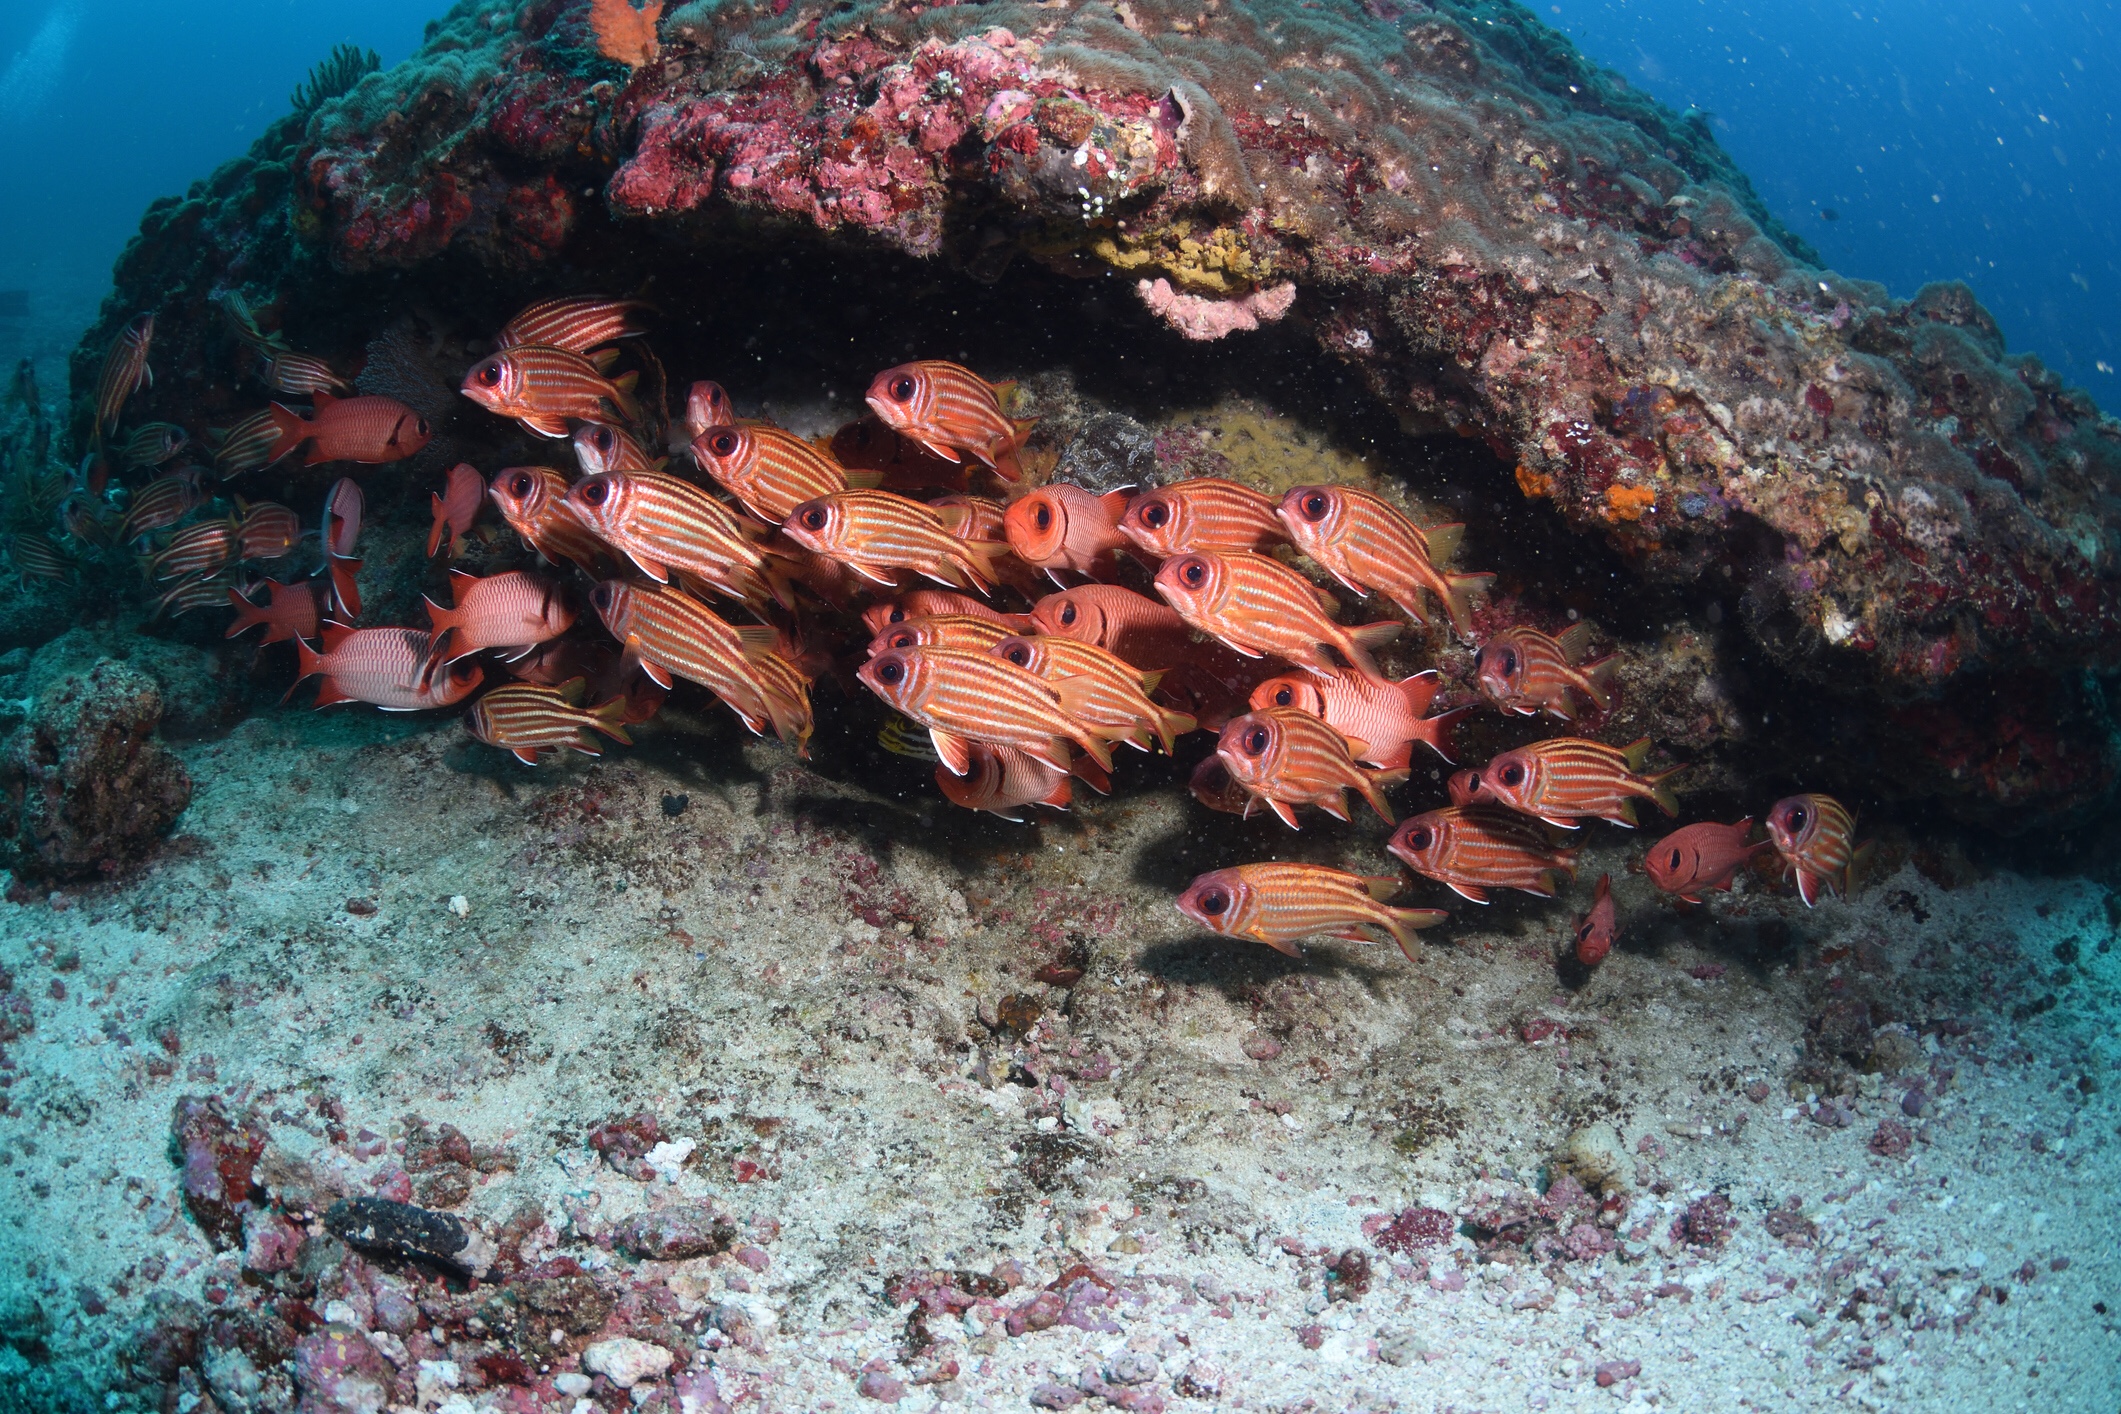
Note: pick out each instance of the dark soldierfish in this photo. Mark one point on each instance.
(1063, 527)
(290, 613)
(389, 667)
(1696, 858)
(456, 506)
(370, 429)
(512, 611)
(1385, 717)
(1596, 930)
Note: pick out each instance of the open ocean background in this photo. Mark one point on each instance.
(1949, 140)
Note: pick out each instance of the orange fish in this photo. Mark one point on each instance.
(769, 469)
(1063, 527)
(291, 613)
(1696, 858)
(1205, 513)
(543, 388)
(296, 374)
(195, 551)
(264, 530)
(1260, 606)
(370, 429)
(941, 631)
(924, 603)
(672, 635)
(664, 524)
(1282, 904)
(1475, 848)
(388, 667)
(1003, 780)
(576, 323)
(962, 696)
(1463, 787)
(1567, 779)
(876, 532)
(188, 595)
(343, 505)
(1815, 835)
(984, 520)
(1288, 758)
(1212, 786)
(513, 612)
(1114, 693)
(1596, 930)
(455, 508)
(599, 447)
(529, 720)
(1524, 671)
(1387, 717)
(125, 371)
(1134, 626)
(1368, 545)
(787, 692)
(953, 412)
(532, 501)
(707, 405)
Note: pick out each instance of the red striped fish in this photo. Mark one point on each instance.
(456, 506)
(250, 444)
(125, 371)
(1381, 720)
(707, 405)
(1282, 904)
(370, 429)
(1569, 779)
(1288, 758)
(962, 696)
(295, 374)
(1463, 788)
(196, 551)
(599, 447)
(190, 595)
(1696, 858)
(941, 631)
(265, 530)
(986, 521)
(769, 469)
(529, 720)
(36, 557)
(1205, 513)
(664, 525)
(1524, 671)
(877, 532)
(89, 520)
(390, 668)
(162, 502)
(343, 506)
(1063, 527)
(1368, 545)
(532, 500)
(951, 411)
(1816, 837)
(289, 613)
(1002, 781)
(513, 612)
(673, 635)
(1113, 692)
(543, 388)
(1475, 848)
(923, 603)
(786, 688)
(153, 445)
(576, 323)
(1260, 606)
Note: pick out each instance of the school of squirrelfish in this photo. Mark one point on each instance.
(733, 578)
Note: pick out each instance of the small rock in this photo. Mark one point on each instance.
(879, 1385)
(675, 805)
(1595, 1155)
(674, 1233)
(402, 1230)
(573, 1384)
(1262, 1047)
(1053, 1396)
(1612, 1372)
(1133, 1368)
(337, 1369)
(460, 905)
(1401, 1348)
(626, 1361)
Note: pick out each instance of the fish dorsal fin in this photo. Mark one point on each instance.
(1575, 641)
(1443, 540)
(952, 516)
(1115, 502)
(460, 583)
(1419, 691)
(573, 690)
(864, 480)
(758, 640)
(1636, 752)
(1383, 886)
(602, 359)
(321, 402)
(334, 634)
(955, 755)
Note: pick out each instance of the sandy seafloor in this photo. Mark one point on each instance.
(549, 949)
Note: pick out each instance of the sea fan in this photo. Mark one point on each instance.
(623, 33)
(347, 66)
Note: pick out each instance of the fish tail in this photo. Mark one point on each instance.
(1361, 640)
(1458, 600)
(610, 719)
(1007, 465)
(622, 395)
(1661, 791)
(1372, 784)
(434, 536)
(289, 432)
(1598, 680)
(1402, 924)
(1859, 867)
(248, 615)
(440, 620)
(1172, 724)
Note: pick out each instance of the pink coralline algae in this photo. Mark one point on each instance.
(1198, 317)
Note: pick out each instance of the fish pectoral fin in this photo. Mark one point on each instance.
(525, 754)
(1288, 816)
(654, 569)
(1285, 946)
(1472, 893)
(947, 453)
(1383, 886)
(866, 573)
(952, 751)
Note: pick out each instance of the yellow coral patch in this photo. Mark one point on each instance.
(1628, 502)
(1217, 262)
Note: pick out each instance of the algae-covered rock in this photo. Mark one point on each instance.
(1597, 1159)
(85, 786)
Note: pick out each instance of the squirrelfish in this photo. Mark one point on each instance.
(188, 595)
(1524, 671)
(922, 603)
(769, 469)
(1063, 527)
(707, 405)
(296, 374)
(786, 688)
(343, 505)
(532, 501)
(941, 631)
(1816, 837)
(1213, 786)
(513, 612)
(900, 462)
(1260, 606)
(389, 667)
(599, 447)
(1205, 513)
(543, 388)
(371, 429)
(265, 530)
(529, 720)
(1381, 719)
(195, 551)
(1596, 930)
(1567, 779)
(125, 371)
(153, 445)
(1463, 787)
(1369, 545)
(876, 532)
(576, 323)
(953, 412)
(36, 557)
(963, 696)
(247, 445)
(162, 502)
(291, 612)
(456, 506)
(1288, 758)
(664, 525)
(673, 635)
(1696, 858)
(1282, 904)
(1475, 848)
(1002, 781)
(1112, 692)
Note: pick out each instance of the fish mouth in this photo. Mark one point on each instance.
(883, 408)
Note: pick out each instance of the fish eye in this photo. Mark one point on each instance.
(1043, 515)
(901, 388)
(1193, 572)
(597, 491)
(601, 597)
(489, 374)
(1284, 695)
(904, 639)
(601, 436)
(520, 485)
(1067, 616)
(896, 616)
(1798, 818)
(1513, 774)
(889, 673)
(1420, 840)
(1255, 741)
(723, 445)
(1315, 506)
(1509, 662)
(419, 425)
(1156, 515)
(1214, 902)
(1020, 655)
(814, 518)
(1673, 862)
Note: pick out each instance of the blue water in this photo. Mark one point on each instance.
(1952, 139)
